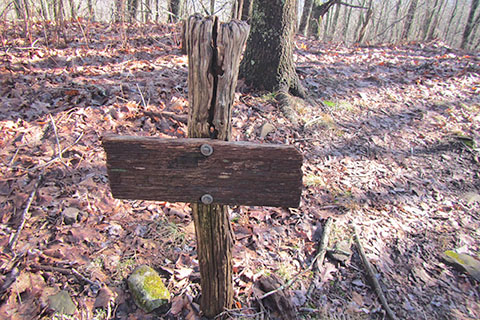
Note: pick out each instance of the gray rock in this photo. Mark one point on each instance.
(70, 215)
(147, 288)
(62, 303)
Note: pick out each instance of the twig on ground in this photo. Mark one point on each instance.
(25, 215)
(141, 95)
(318, 260)
(57, 157)
(322, 250)
(372, 276)
(67, 272)
(54, 126)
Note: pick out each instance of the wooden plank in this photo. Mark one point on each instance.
(174, 170)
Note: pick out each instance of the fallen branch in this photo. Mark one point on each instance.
(67, 272)
(25, 215)
(54, 126)
(322, 250)
(373, 277)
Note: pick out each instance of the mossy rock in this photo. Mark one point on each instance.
(147, 288)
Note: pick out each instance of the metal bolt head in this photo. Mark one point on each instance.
(207, 199)
(206, 150)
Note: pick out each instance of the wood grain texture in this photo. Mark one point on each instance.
(174, 170)
(213, 57)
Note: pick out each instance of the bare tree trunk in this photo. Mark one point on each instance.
(174, 9)
(73, 13)
(237, 9)
(333, 27)
(268, 61)
(132, 7)
(91, 12)
(346, 23)
(306, 13)
(363, 29)
(212, 7)
(393, 32)
(408, 23)
(469, 27)
(434, 24)
(18, 4)
(26, 21)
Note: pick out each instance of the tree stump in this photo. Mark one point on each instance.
(214, 51)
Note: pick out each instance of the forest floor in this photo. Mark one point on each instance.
(390, 147)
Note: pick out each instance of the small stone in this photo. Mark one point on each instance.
(70, 215)
(341, 251)
(266, 129)
(464, 261)
(147, 289)
(62, 303)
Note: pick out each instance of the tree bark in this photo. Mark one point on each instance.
(433, 25)
(408, 23)
(307, 12)
(363, 29)
(268, 60)
(174, 8)
(470, 25)
(214, 52)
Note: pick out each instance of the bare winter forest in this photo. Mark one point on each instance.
(388, 124)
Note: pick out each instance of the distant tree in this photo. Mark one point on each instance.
(174, 8)
(307, 12)
(409, 21)
(241, 9)
(132, 7)
(320, 10)
(363, 28)
(91, 11)
(470, 24)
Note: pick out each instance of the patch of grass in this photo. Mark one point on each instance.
(125, 267)
(324, 120)
(311, 180)
(100, 314)
(170, 232)
(269, 97)
(284, 272)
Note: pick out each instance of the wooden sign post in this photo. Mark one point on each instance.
(205, 169)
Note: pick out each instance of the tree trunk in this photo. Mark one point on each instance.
(363, 29)
(214, 52)
(132, 9)
(408, 23)
(91, 12)
(436, 18)
(469, 27)
(174, 9)
(452, 16)
(73, 12)
(307, 12)
(18, 4)
(268, 60)
(212, 7)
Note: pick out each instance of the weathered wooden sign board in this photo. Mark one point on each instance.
(203, 170)
(208, 173)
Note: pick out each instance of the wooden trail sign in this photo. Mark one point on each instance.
(203, 170)
(206, 169)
